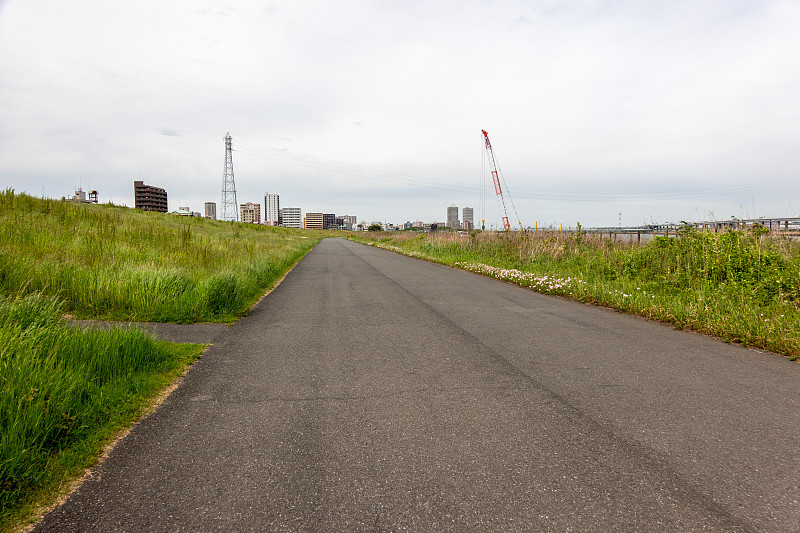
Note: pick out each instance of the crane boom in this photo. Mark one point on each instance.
(496, 179)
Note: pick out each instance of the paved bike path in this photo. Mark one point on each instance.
(374, 392)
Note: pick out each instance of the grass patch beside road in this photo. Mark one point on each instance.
(64, 394)
(115, 263)
(743, 287)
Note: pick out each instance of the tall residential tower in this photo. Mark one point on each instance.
(467, 223)
(452, 217)
(272, 209)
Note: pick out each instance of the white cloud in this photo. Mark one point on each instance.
(590, 96)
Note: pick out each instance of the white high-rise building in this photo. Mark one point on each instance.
(272, 209)
(467, 214)
(467, 223)
(291, 217)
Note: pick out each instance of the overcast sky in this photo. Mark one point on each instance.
(660, 110)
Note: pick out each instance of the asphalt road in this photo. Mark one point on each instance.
(375, 392)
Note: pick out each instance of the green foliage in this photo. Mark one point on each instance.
(125, 264)
(374, 227)
(64, 391)
(767, 270)
(743, 286)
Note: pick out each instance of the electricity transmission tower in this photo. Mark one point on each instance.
(230, 207)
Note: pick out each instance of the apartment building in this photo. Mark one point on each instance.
(467, 216)
(452, 217)
(314, 221)
(250, 213)
(291, 217)
(272, 209)
(346, 222)
(149, 198)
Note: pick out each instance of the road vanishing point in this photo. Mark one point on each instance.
(375, 392)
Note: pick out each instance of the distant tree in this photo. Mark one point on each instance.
(434, 227)
(374, 227)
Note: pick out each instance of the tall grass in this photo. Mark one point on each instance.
(741, 286)
(124, 264)
(64, 392)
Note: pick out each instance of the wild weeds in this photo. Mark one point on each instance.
(123, 264)
(64, 391)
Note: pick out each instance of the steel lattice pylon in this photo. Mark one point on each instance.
(230, 207)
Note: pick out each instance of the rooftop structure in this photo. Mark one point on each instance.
(80, 196)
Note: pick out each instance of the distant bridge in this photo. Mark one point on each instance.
(774, 224)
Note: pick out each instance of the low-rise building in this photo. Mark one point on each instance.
(346, 222)
(185, 212)
(314, 221)
(291, 217)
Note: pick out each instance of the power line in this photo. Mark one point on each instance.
(704, 192)
(564, 195)
(350, 169)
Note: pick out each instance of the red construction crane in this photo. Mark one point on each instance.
(497, 189)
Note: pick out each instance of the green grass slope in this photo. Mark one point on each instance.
(117, 263)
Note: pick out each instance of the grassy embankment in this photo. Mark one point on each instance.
(123, 264)
(64, 393)
(743, 287)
